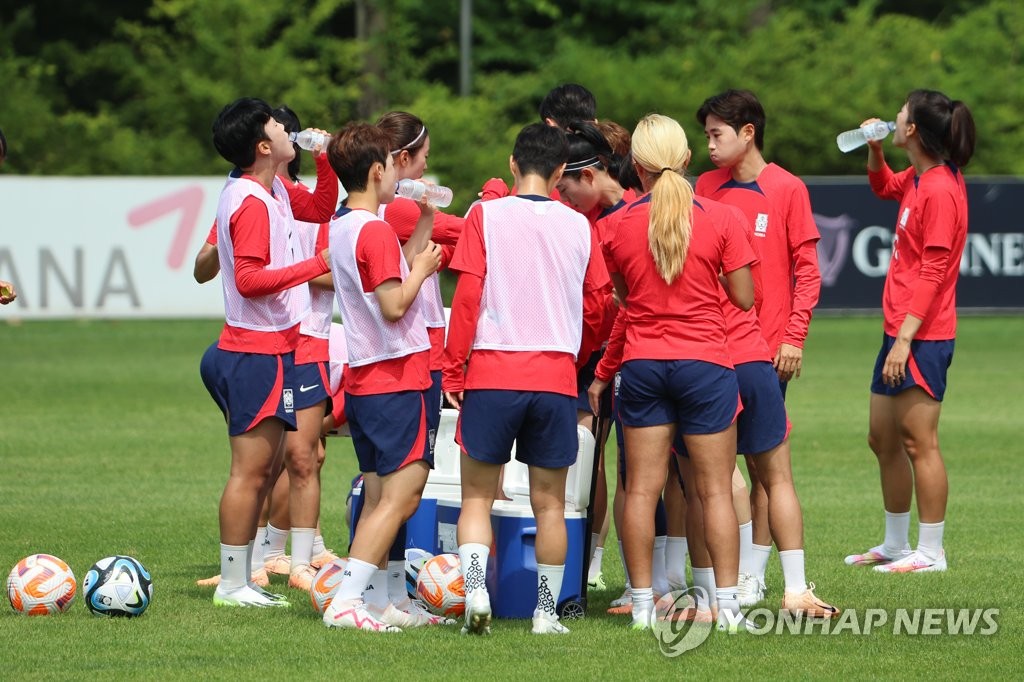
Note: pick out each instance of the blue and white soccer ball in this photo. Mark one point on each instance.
(414, 560)
(118, 586)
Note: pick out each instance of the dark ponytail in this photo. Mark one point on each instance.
(944, 127)
(961, 134)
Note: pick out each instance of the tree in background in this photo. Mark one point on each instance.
(131, 87)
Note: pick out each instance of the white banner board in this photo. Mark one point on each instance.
(107, 247)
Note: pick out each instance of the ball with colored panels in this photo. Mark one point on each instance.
(440, 585)
(326, 583)
(41, 584)
(118, 586)
(414, 560)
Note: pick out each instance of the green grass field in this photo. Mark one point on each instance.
(110, 445)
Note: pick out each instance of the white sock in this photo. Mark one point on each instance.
(793, 570)
(643, 604)
(355, 579)
(234, 568)
(760, 563)
(659, 580)
(302, 546)
(259, 545)
(728, 605)
(276, 539)
(376, 592)
(675, 562)
(549, 587)
(622, 558)
(318, 545)
(747, 547)
(473, 558)
(396, 582)
(595, 564)
(897, 533)
(596, 553)
(704, 578)
(929, 539)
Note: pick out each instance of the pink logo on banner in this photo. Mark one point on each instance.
(189, 201)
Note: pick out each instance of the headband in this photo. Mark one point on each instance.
(423, 131)
(580, 165)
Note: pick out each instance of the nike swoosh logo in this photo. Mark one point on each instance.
(306, 389)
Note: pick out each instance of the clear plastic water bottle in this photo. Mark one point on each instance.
(309, 138)
(414, 189)
(858, 137)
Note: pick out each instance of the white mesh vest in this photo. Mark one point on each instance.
(318, 322)
(370, 338)
(338, 354)
(430, 292)
(537, 255)
(273, 312)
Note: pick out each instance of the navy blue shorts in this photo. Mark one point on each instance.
(313, 384)
(926, 367)
(249, 387)
(584, 378)
(542, 424)
(762, 424)
(699, 397)
(389, 430)
(434, 398)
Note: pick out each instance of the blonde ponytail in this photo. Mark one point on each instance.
(660, 147)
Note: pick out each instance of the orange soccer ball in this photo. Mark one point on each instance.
(440, 585)
(41, 584)
(326, 583)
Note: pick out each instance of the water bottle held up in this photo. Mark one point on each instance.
(858, 137)
(436, 195)
(309, 138)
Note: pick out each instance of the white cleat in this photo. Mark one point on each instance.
(915, 562)
(545, 623)
(478, 613)
(351, 614)
(875, 556)
(749, 589)
(245, 596)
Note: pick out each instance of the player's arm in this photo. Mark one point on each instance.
(495, 188)
(739, 287)
(470, 261)
(596, 289)
(250, 237)
(207, 263)
(737, 257)
(461, 332)
(396, 296)
(326, 280)
(319, 205)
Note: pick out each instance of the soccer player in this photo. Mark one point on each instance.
(377, 282)
(251, 372)
(590, 185)
(295, 494)
(567, 104)
(410, 145)
(762, 431)
(919, 309)
(561, 107)
(667, 251)
(778, 211)
(529, 291)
